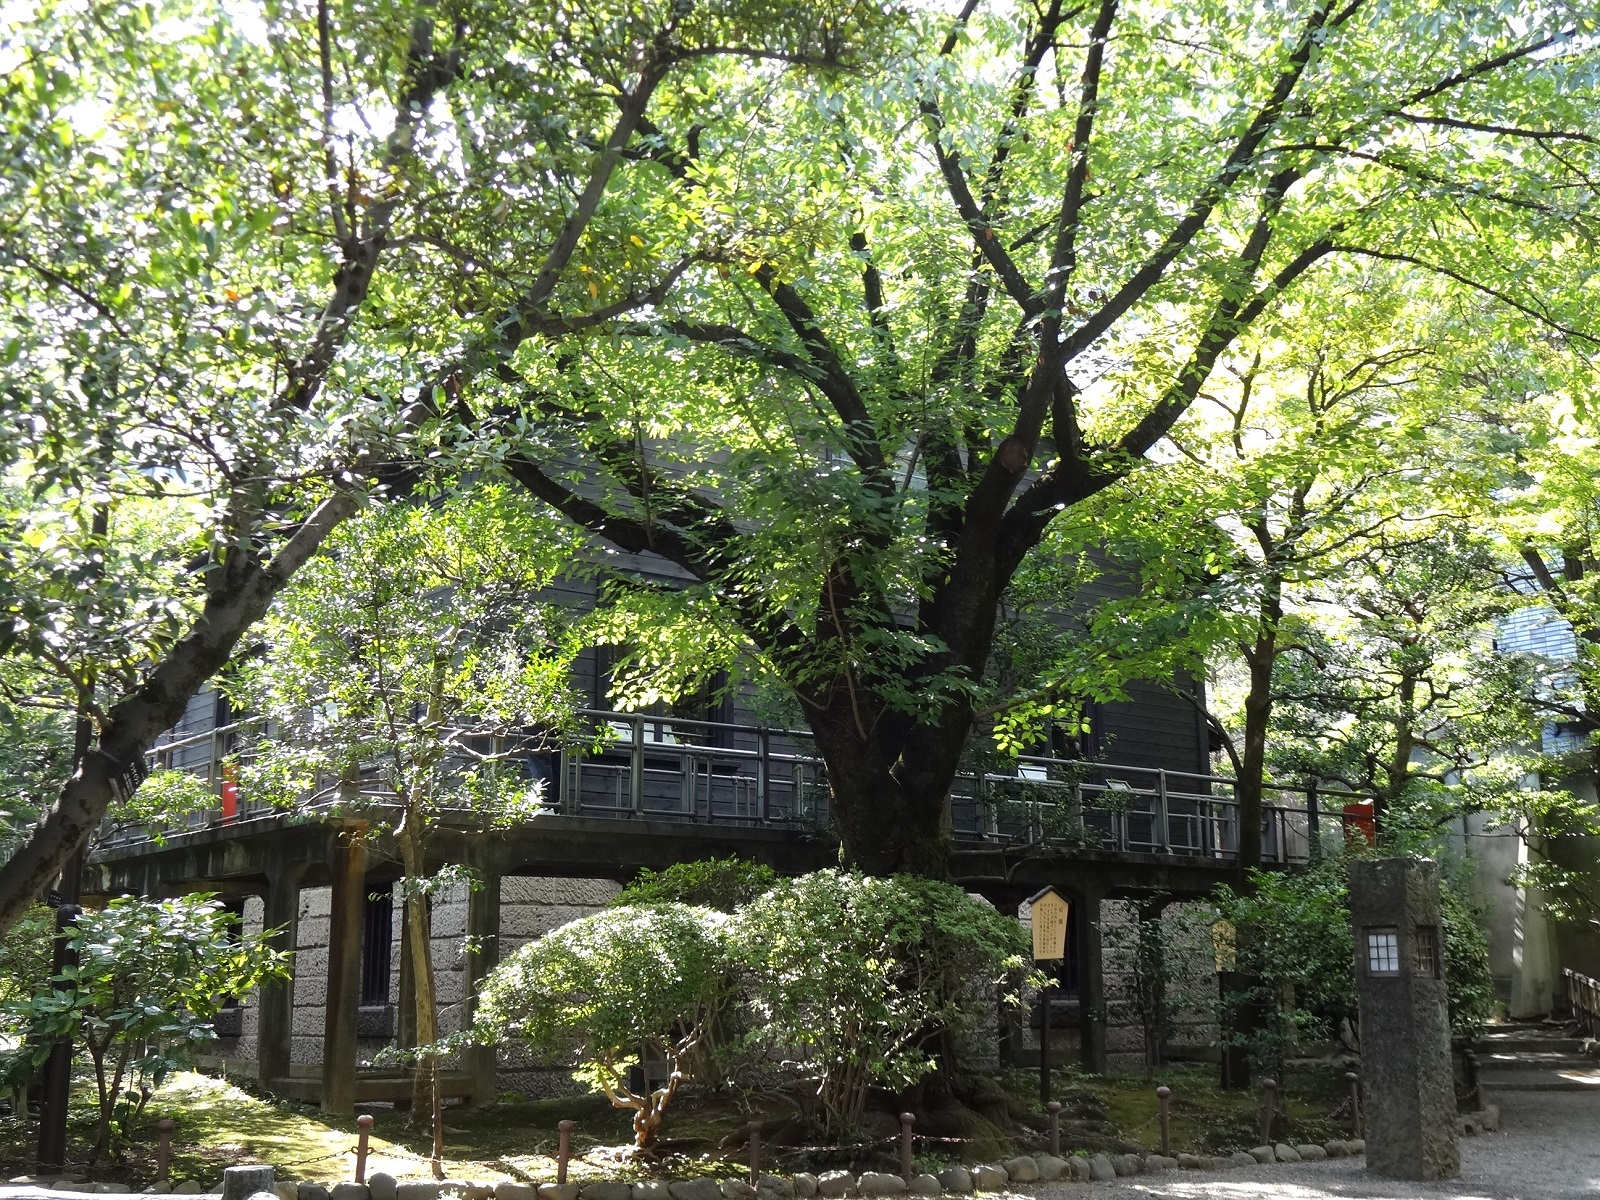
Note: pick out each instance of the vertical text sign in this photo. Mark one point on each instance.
(1047, 912)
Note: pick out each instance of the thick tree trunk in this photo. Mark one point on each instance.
(891, 790)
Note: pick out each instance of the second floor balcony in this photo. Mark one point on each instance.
(649, 769)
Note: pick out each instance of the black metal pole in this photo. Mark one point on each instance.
(1044, 1045)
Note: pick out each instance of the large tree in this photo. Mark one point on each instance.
(177, 319)
(221, 231)
(915, 315)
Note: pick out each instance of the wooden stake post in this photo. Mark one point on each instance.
(1047, 915)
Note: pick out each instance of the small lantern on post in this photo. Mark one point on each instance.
(563, 1151)
(1163, 1094)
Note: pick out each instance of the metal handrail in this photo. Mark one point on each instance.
(1583, 996)
(657, 766)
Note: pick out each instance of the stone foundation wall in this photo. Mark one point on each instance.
(531, 907)
(1191, 980)
(528, 908)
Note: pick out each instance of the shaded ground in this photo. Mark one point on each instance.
(219, 1124)
(1548, 1149)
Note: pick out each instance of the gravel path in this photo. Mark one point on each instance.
(1548, 1149)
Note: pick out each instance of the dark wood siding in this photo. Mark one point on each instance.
(1156, 728)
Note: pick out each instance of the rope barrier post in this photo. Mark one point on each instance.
(1354, 1081)
(1470, 1057)
(1044, 1045)
(564, 1151)
(364, 1128)
(164, 1148)
(907, 1120)
(755, 1154)
(1054, 1109)
(1163, 1094)
(1269, 1106)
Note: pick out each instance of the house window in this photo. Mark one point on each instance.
(1425, 960)
(376, 927)
(1383, 951)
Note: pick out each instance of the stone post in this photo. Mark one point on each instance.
(483, 929)
(275, 999)
(1407, 1081)
(343, 1001)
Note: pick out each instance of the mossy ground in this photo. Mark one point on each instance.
(1105, 1112)
(220, 1123)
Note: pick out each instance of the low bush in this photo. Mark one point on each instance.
(720, 883)
(852, 976)
(844, 979)
(1293, 934)
(601, 989)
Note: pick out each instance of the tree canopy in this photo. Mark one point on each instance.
(816, 322)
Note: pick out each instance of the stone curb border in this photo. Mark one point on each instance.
(830, 1185)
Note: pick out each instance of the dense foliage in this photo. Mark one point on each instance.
(1291, 934)
(848, 981)
(150, 977)
(831, 314)
(853, 977)
(725, 884)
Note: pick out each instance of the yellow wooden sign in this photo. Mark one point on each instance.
(1047, 913)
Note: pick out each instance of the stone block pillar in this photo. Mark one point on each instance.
(344, 973)
(483, 931)
(1407, 1085)
(1091, 982)
(281, 911)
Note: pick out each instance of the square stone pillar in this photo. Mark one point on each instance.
(1408, 1090)
(281, 911)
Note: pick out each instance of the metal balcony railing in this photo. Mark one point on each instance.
(641, 766)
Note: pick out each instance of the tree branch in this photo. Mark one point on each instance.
(1221, 183)
(1064, 258)
(1467, 281)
